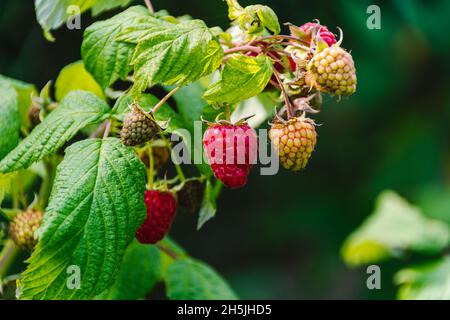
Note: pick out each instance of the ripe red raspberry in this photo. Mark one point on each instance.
(161, 209)
(295, 141)
(231, 151)
(323, 32)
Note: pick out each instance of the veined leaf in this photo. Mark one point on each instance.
(24, 92)
(188, 279)
(171, 54)
(9, 119)
(75, 77)
(51, 14)
(242, 77)
(104, 57)
(105, 5)
(430, 281)
(140, 271)
(77, 110)
(394, 227)
(96, 206)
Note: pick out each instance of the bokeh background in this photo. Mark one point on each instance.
(280, 237)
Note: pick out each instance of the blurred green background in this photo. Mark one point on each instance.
(280, 237)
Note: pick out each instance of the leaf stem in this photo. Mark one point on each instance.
(243, 48)
(149, 5)
(167, 251)
(7, 256)
(163, 100)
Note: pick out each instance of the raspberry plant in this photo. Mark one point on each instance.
(97, 149)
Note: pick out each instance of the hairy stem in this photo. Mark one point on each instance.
(163, 100)
(149, 5)
(243, 48)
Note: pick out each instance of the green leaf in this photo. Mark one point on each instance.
(77, 110)
(171, 54)
(24, 92)
(394, 227)
(105, 5)
(96, 206)
(209, 206)
(5, 185)
(51, 14)
(429, 281)
(242, 77)
(75, 77)
(253, 19)
(188, 279)
(9, 119)
(260, 15)
(105, 58)
(140, 271)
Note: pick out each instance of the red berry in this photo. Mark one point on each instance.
(324, 33)
(161, 209)
(231, 151)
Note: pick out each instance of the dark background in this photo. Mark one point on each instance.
(280, 236)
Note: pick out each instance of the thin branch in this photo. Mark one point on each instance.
(149, 5)
(244, 48)
(163, 100)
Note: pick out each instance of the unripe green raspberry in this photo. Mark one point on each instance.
(23, 227)
(333, 71)
(138, 127)
(295, 141)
